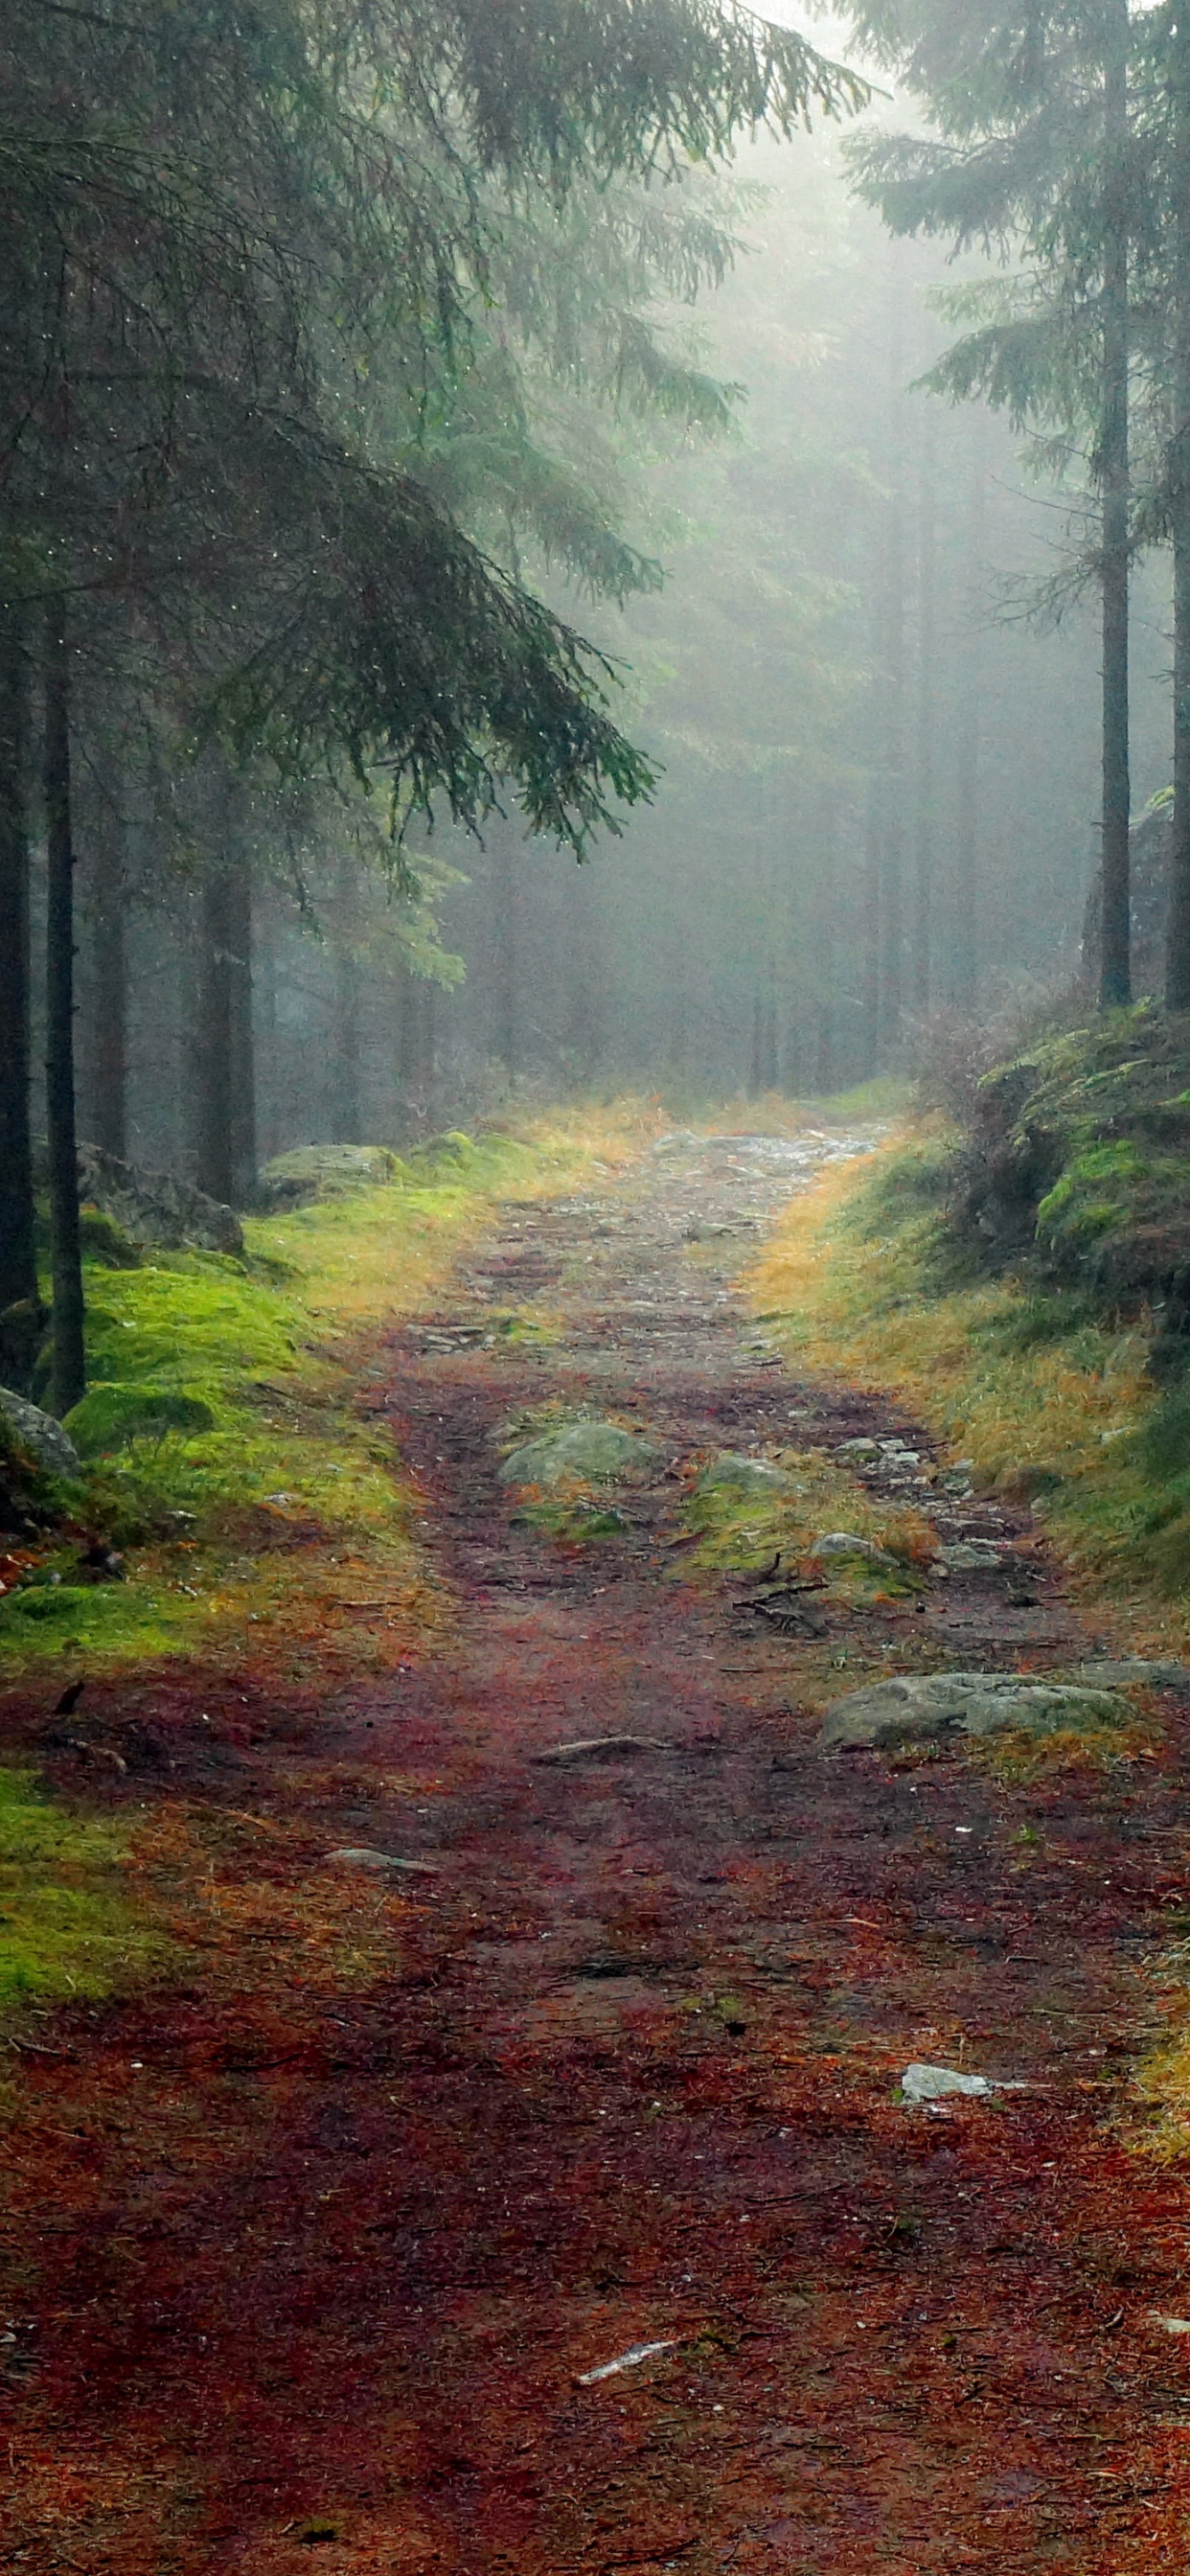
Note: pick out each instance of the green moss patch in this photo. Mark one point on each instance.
(68, 1926)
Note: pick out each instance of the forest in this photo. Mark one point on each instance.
(743, 502)
(594, 1286)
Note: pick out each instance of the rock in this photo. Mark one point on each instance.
(595, 1453)
(38, 1432)
(156, 1207)
(921, 2083)
(1133, 1668)
(858, 1449)
(920, 1706)
(327, 1172)
(352, 1857)
(969, 1555)
(736, 1474)
(847, 1543)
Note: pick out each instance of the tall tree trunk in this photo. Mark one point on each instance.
(966, 889)
(348, 1103)
(108, 1111)
(68, 1375)
(869, 997)
(1177, 960)
(1115, 973)
(243, 1040)
(927, 585)
(891, 687)
(507, 946)
(587, 1034)
(225, 1085)
(18, 1258)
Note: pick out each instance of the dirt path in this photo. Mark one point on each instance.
(328, 2252)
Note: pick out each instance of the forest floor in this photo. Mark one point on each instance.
(315, 2244)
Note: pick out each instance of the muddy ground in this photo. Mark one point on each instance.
(308, 2251)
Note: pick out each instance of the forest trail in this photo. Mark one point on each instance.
(327, 2257)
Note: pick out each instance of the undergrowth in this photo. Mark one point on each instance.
(1045, 1399)
(225, 1454)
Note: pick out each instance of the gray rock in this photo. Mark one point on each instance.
(352, 1858)
(597, 1453)
(921, 2083)
(848, 1543)
(858, 1449)
(156, 1207)
(921, 1706)
(38, 1432)
(969, 1555)
(1133, 1668)
(732, 1473)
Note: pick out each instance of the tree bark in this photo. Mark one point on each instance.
(965, 943)
(1115, 972)
(68, 1375)
(927, 584)
(107, 1114)
(348, 1102)
(505, 891)
(225, 1085)
(1177, 960)
(18, 1257)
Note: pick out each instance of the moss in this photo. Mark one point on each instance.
(113, 1417)
(246, 1485)
(68, 1922)
(1044, 1395)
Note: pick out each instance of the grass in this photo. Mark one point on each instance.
(227, 1454)
(743, 1530)
(1045, 1399)
(68, 1924)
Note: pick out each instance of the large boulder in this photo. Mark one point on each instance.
(593, 1453)
(920, 1707)
(39, 1434)
(313, 1172)
(156, 1207)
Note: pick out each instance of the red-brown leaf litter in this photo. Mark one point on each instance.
(311, 2249)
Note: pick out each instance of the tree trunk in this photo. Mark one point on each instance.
(505, 891)
(18, 1258)
(225, 1088)
(927, 584)
(1115, 975)
(68, 1376)
(243, 1043)
(965, 943)
(107, 1116)
(348, 1103)
(1177, 961)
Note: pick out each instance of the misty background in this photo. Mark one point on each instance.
(879, 789)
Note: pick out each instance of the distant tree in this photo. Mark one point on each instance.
(1034, 156)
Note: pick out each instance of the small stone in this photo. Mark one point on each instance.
(921, 2083)
(969, 1555)
(848, 1543)
(352, 1857)
(858, 1449)
(733, 1473)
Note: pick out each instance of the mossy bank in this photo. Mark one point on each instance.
(230, 1480)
